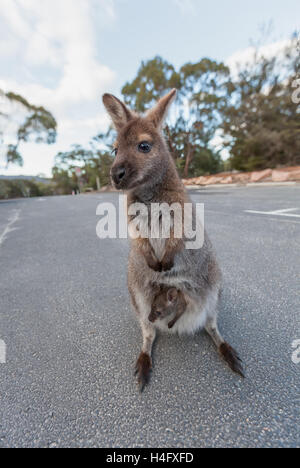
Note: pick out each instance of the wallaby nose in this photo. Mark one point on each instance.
(118, 174)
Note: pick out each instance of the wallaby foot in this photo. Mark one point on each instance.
(143, 370)
(144, 363)
(167, 265)
(232, 358)
(227, 352)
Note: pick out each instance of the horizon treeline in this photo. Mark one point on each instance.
(238, 119)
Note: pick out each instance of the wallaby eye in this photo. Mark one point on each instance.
(115, 151)
(145, 147)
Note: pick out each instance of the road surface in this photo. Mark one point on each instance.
(72, 339)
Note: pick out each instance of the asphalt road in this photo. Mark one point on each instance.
(72, 339)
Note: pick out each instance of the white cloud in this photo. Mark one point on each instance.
(55, 42)
(242, 57)
(186, 6)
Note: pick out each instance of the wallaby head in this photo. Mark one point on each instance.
(142, 157)
(168, 301)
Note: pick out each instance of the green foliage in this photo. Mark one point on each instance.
(63, 181)
(205, 88)
(153, 79)
(206, 162)
(202, 91)
(99, 167)
(95, 163)
(253, 110)
(20, 188)
(40, 124)
(261, 122)
(13, 156)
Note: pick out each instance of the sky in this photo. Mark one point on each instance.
(64, 54)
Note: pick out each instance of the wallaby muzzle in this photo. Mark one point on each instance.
(118, 174)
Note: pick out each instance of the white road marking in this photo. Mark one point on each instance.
(222, 213)
(12, 220)
(286, 212)
(2, 352)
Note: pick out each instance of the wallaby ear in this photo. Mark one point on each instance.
(158, 114)
(117, 110)
(172, 295)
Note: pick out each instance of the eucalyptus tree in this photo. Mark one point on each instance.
(202, 89)
(261, 122)
(21, 121)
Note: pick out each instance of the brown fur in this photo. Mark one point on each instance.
(145, 247)
(232, 358)
(152, 178)
(143, 170)
(143, 369)
(168, 301)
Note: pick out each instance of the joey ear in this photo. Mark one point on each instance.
(158, 114)
(117, 110)
(172, 295)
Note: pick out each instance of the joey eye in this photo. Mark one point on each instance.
(144, 147)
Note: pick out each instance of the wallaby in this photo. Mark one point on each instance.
(167, 302)
(144, 168)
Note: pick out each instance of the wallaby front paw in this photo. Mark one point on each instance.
(143, 370)
(167, 266)
(154, 265)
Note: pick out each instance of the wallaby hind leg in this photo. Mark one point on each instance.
(144, 363)
(227, 352)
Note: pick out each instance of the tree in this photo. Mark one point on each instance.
(63, 181)
(154, 78)
(21, 121)
(201, 92)
(205, 87)
(95, 163)
(262, 124)
(23, 188)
